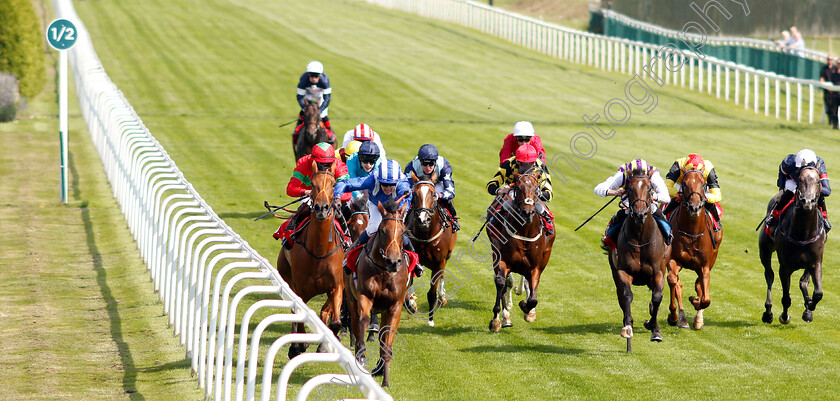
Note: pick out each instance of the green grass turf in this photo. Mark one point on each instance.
(79, 318)
(212, 80)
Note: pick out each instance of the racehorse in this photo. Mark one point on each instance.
(382, 274)
(521, 244)
(695, 247)
(358, 218)
(639, 257)
(313, 131)
(798, 242)
(432, 238)
(314, 266)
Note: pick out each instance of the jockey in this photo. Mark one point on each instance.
(427, 162)
(314, 85)
(788, 172)
(362, 133)
(523, 160)
(523, 133)
(347, 151)
(363, 162)
(614, 185)
(387, 182)
(300, 185)
(673, 180)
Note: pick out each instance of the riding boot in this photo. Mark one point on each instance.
(664, 225)
(672, 205)
(408, 246)
(712, 208)
(821, 205)
(773, 217)
(613, 228)
(450, 207)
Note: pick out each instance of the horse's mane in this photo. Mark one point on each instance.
(360, 204)
(391, 206)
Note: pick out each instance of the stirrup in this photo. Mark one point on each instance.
(827, 225)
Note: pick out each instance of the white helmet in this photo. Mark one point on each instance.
(315, 67)
(523, 128)
(805, 157)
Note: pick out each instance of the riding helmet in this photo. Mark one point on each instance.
(427, 152)
(369, 148)
(389, 172)
(526, 154)
(323, 153)
(523, 128)
(315, 67)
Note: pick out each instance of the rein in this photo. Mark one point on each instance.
(382, 251)
(431, 211)
(330, 217)
(819, 220)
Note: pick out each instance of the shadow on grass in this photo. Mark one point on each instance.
(111, 304)
(591, 328)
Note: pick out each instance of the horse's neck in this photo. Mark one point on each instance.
(804, 224)
(691, 225)
(375, 247)
(641, 233)
(318, 233)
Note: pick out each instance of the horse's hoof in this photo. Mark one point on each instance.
(495, 325)
(443, 302)
(294, 351)
(506, 322)
(431, 323)
(694, 301)
(683, 322)
(672, 318)
(530, 316)
(321, 348)
(411, 306)
(808, 316)
(698, 320)
(649, 325)
(767, 317)
(627, 331)
(784, 318)
(656, 337)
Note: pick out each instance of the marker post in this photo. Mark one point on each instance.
(61, 35)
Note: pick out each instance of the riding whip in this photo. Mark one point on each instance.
(274, 209)
(283, 125)
(596, 213)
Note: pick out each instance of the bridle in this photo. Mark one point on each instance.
(397, 241)
(685, 199)
(417, 209)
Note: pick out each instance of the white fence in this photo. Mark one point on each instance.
(809, 54)
(189, 251)
(757, 90)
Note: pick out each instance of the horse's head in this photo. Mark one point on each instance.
(807, 187)
(358, 220)
(312, 121)
(390, 234)
(323, 183)
(423, 199)
(693, 191)
(526, 192)
(639, 196)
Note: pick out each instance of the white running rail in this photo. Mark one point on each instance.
(707, 74)
(189, 250)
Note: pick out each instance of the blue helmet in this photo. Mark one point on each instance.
(369, 148)
(389, 172)
(427, 152)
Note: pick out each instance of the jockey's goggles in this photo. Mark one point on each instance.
(314, 75)
(427, 162)
(385, 184)
(523, 138)
(368, 159)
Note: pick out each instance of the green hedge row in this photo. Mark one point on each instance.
(22, 45)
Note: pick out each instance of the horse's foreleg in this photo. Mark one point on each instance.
(528, 307)
(624, 291)
(362, 317)
(784, 277)
(675, 286)
(701, 287)
(656, 287)
(811, 303)
(390, 322)
(765, 251)
(500, 280)
(432, 295)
